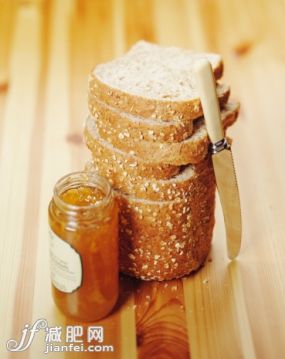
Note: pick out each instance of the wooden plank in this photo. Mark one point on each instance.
(139, 22)
(127, 306)
(79, 69)
(161, 322)
(118, 16)
(55, 154)
(7, 16)
(18, 123)
(169, 15)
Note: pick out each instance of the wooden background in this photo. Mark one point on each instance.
(226, 310)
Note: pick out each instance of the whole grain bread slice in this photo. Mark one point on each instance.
(179, 186)
(152, 81)
(138, 127)
(126, 163)
(162, 240)
(116, 122)
(191, 150)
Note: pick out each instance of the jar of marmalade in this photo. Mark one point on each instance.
(83, 220)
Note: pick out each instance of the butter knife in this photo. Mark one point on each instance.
(221, 156)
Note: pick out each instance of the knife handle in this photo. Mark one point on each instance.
(206, 85)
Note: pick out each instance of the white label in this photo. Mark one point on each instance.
(65, 265)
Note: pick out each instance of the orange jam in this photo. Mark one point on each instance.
(82, 196)
(83, 219)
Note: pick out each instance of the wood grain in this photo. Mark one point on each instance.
(160, 320)
(47, 48)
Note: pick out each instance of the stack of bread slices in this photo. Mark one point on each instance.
(148, 138)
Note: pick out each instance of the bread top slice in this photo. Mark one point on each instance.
(151, 80)
(191, 150)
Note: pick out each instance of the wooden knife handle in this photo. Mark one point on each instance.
(206, 86)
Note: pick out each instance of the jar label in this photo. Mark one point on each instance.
(65, 265)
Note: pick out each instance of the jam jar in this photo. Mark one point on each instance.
(84, 245)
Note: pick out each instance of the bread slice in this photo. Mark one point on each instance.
(179, 186)
(162, 240)
(126, 163)
(139, 128)
(191, 150)
(152, 81)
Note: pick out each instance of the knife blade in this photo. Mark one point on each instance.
(222, 157)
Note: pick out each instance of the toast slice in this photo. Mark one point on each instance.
(140, 128)
(191, 150)
(152, 81)
(125, 163)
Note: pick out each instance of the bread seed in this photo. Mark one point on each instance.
(133, 164)
(196, 107)
(169, 224)
(155, 187)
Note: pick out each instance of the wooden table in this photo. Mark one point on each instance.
(227, 309)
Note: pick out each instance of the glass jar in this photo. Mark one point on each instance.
(84, 247)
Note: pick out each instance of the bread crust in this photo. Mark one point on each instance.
(150, 108)
(127, 82)
(126, 163)
(191, 150)
(167, 240)
(179, 186)
(138, 128)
